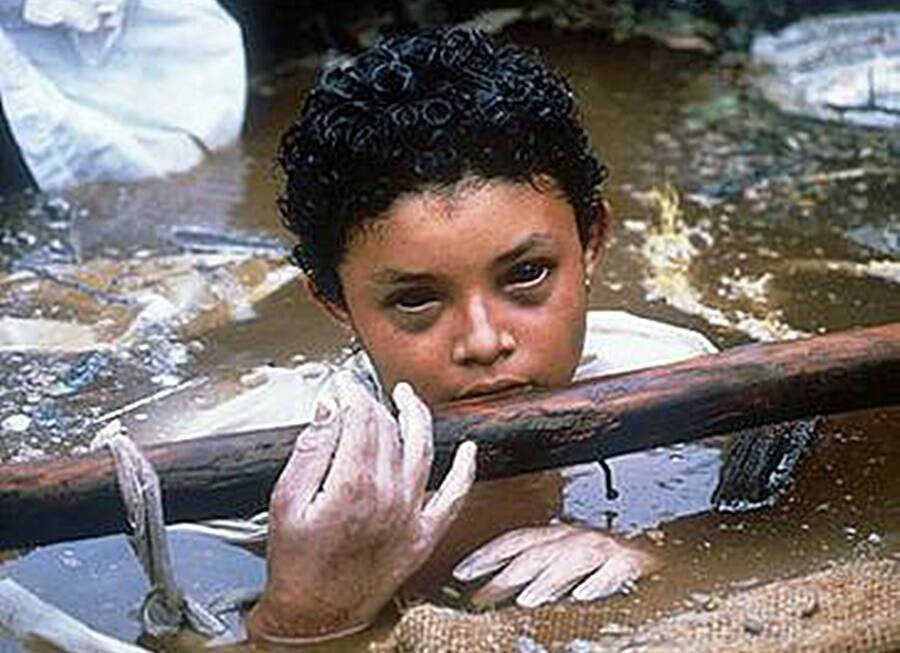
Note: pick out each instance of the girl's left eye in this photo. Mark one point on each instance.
(528, 274)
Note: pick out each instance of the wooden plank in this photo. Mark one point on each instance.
(229, 475)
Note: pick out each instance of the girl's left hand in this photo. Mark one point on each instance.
(549, 561)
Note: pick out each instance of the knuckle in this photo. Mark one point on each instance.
(280, 501)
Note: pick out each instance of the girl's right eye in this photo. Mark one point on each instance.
(415, 302)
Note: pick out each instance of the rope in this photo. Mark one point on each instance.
(165, 609)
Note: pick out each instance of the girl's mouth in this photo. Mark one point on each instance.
(491, 387)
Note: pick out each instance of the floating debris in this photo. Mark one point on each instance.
(36, 230)
(703, 600)
(882, 239)
(670, 249)
(24, 334)
(884, 269)
(16, 423)
(838, 67)
(761, 464)
(199, 239)
(123, 300)
(754, 626)
(79, 341)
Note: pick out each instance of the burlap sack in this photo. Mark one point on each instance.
(851, 607)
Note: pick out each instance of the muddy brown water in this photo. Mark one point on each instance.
(784, 215)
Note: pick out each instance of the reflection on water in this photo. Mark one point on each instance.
(793, 221)
(654, 487)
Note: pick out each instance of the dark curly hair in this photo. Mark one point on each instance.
(419, 113)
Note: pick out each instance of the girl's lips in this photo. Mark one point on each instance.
(491, 387)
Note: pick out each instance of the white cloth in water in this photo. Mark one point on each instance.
(154, 87)
(615, 341)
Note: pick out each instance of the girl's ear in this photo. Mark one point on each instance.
(593, 248)
(336, 312)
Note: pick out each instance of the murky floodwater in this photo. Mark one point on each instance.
(781, 226)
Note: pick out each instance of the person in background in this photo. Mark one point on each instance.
(115, 90)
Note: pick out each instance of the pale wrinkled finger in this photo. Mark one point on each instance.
(417, 435)
(448, 500)
(609, 579)
(585, 553)
(389, 463)
(497, 552)
(523, 568)
(310, 459)
(352, 472)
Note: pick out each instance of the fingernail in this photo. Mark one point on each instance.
(582, 593)
(463, 573)
(402, 393)
(531, 599)
(471, 569)
(470, 448)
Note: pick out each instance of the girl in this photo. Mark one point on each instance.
(446, 202)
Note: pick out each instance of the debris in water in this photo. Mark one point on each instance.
(670, 249)
(703, 600)
(205, 240)
(83, 374)
(41, 334)
(761, 463)
(754, 626)
(36, 230)
(884, 240)
(656, 535)
(16, 423)
(884, 269)
(123, 299)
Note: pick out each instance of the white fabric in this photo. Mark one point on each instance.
(617, 341)
(147, 93)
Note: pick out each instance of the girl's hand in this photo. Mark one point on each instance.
(548, 561)
(347, 522)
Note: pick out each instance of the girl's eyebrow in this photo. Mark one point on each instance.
(533, 241)
(391, 276)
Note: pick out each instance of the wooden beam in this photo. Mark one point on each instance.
(228, 475)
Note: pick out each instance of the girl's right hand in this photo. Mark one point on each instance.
(348, 521)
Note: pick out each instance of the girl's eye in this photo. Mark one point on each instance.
(414, 302)
(528, 274)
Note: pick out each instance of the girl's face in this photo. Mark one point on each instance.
(471, 292)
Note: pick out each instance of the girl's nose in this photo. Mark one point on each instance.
(482, 341)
